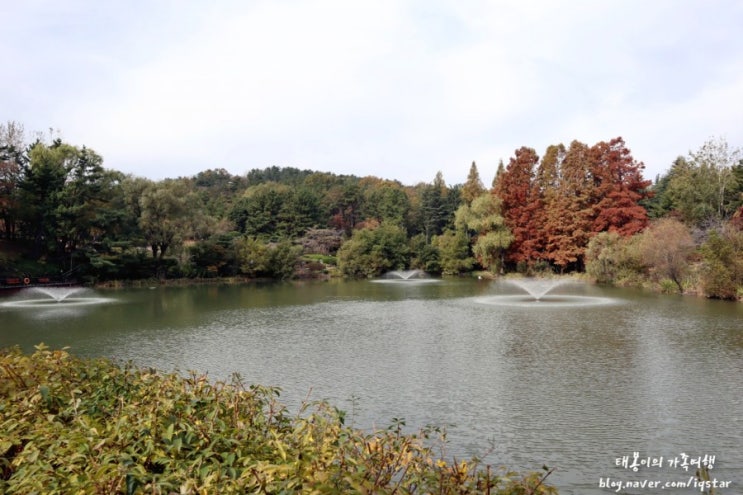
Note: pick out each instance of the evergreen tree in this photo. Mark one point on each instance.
(473, 187)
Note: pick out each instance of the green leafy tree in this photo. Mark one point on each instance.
(217, 191)
(165, 215)
(258, 258)
(385, 201)
(41, 192)
(82, 218)
(484, 223)
(371, 252)
(301, 211)
(659, 204)
(424, 255)
(615, 259)
(252, 254)
(603, 257)
(437, 206)
(12, 160)
(259, 211)
(454, 252)
(704, 188)
(213, 257)
(344, 200)
(722, 270)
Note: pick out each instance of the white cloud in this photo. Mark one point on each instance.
(394, 89)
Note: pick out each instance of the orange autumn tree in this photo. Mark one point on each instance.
(569, 210)
(574, 194)
(618, 189)
(519, 196)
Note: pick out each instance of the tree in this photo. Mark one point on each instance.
(300, 212)
(371, 252)
(217, 190)
(704, 188)
(83, 202)
(484, 220)
(258, 258)
(12, 161)
(665, 247)
(41, 190)
(498, 172)
(615, 259)
(385, 201)
(473, 187)
(165, 212)
(569, 212)
(212, 257)
(424, 255)
(258, 212)
(435, 209)
(618, 189)
(454, 252)
(344, 201)
(519, 201)
(658, 204)
(722, 269)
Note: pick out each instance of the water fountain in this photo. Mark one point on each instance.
(537, 294)
(54, 298)
(406, 277)
(406, 274)
(537, 287)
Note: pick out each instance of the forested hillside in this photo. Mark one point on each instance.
(580, 207)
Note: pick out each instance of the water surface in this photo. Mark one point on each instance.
(576, 381)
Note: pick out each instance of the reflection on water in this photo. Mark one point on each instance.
(573, 385)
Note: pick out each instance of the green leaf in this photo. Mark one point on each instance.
(131, 484)
(169, 432)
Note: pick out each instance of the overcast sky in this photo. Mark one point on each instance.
(396, 89)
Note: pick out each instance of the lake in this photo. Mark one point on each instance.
(587, 380)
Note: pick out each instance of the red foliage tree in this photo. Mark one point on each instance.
(554, 212)
(569, 213)
(520, 200)
(618, 189)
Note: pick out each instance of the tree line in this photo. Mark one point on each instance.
(576, 208)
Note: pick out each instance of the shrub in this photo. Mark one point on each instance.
(372, 251)
(613, 259)
(88, 426)
(722, 267)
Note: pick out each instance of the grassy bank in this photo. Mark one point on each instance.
(75, 425)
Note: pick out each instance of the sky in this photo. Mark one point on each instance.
(397, 89)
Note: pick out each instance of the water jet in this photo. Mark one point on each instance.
(54, 298)
(537, 294)
(537, 287)
(406, 277)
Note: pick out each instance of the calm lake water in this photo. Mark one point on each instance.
(577, 381)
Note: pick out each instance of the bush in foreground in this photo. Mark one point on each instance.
(90, 426)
